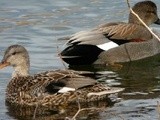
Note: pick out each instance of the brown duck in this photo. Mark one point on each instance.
(85, 47)
(50, 88)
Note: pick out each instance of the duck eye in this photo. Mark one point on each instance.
(153, 12)
(13, 53)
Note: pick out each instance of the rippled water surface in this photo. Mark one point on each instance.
(37, 24)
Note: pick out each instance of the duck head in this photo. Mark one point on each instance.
(17, 57)
(147, 11)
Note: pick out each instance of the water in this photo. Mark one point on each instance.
(38, 24)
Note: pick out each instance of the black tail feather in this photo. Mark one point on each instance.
(80, 54)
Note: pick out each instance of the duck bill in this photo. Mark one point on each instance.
(157, 22)
(4, 64)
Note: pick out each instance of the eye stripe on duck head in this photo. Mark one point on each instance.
(13, 50)
(7, 56)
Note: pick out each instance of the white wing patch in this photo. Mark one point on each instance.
(66, 89)
(107, 46)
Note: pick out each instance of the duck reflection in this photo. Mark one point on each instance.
(52, 113)
(141, 79)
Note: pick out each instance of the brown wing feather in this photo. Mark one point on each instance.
(78, 82)
(69, 78)
(125, 31)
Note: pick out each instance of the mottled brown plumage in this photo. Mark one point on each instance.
(44, 89)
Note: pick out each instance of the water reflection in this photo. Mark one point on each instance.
(41, 113)
(133, 109)
(142, 88)
(138, 76)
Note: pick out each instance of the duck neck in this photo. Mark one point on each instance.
(21, 71)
